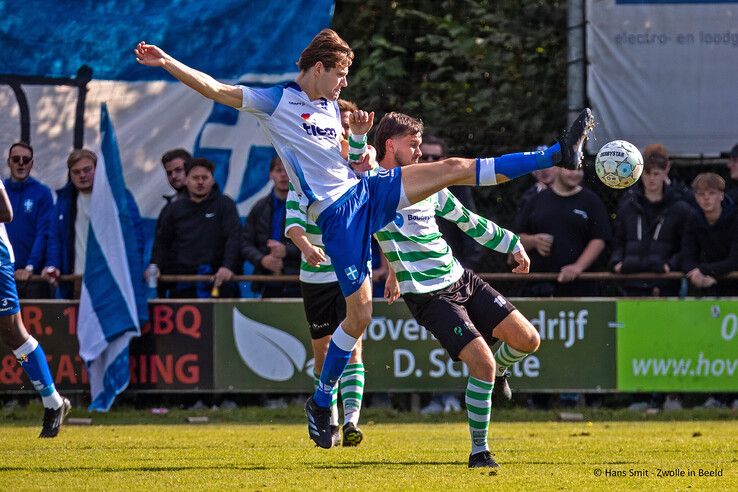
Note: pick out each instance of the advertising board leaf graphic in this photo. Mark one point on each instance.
(270, 353)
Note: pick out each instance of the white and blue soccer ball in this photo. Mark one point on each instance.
(619, 164)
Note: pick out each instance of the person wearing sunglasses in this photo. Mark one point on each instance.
(32, 204)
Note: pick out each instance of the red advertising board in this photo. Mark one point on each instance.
(174, 351)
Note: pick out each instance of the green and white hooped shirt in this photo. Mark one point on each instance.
(296, 216)
(419, 255)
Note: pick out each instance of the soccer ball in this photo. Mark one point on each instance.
(619, 164)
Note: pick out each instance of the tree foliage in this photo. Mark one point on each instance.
(487, 76)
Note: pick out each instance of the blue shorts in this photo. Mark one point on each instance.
(8, 293)
(348, 224)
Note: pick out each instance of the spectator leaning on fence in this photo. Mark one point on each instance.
(32, 206)
(564, 229)
(198, 235)
(710, 246)
(174, 162)
(264, 243)
(71, 220)
(648, 231)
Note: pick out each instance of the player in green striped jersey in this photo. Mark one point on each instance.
(465, 314)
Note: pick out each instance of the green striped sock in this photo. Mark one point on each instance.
(506, 356)
(334, 399)
(352, 392)
(478, 408)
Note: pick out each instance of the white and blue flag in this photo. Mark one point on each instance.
(113, 301)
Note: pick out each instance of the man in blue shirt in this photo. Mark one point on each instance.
(33, 204)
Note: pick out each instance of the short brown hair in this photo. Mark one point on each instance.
(344, 105)
(21, 144)
(199, 162)
(276, 160)
(326, 47)
(170, 155)
(708, 181)
(655, 155)
(78, 154)
(394, 125)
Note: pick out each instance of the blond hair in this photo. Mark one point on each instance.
(78, 154)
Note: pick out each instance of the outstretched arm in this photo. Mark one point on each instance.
(153, 56)
(482, 230)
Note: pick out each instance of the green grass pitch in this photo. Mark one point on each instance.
(236, 452)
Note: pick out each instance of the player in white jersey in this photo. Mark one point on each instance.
(26, 348)
(465, 314)
(325, 308)
(302, 121)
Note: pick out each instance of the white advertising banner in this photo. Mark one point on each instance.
(664, 71)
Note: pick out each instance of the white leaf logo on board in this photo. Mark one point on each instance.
(270, 353)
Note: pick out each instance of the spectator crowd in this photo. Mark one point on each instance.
(660, 225)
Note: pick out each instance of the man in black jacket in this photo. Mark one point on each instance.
(199, 234)
(710, 246)
(648, 231)
(264, 243)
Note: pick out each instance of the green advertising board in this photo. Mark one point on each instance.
(265, 346)
(685, 345)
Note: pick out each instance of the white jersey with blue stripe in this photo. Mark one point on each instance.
(305, 135)
(6, 249)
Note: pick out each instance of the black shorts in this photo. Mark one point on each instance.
(461, 312)
(324, 306)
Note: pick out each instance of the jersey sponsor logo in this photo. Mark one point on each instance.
(581, 213)
(28, 205)
(399, 220)
(296, 103)
(210, 215)
(419, 218)
(316, 131)
(305, 116)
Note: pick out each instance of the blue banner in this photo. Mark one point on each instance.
(225, 39)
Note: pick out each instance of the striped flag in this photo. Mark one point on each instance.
(113, 301)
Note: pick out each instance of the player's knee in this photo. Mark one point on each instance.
(532, 341)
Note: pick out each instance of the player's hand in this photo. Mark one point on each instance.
(666, 268)
(543, 243)
(276, 248)
(709, 281)
(569, 273)
(150, 55)
(222, 275)
(272, 263)
(362, 166)
(521, 257)
(618, 267)
(391, 289)
(360, 122)
(22, 275)
(314, 255)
